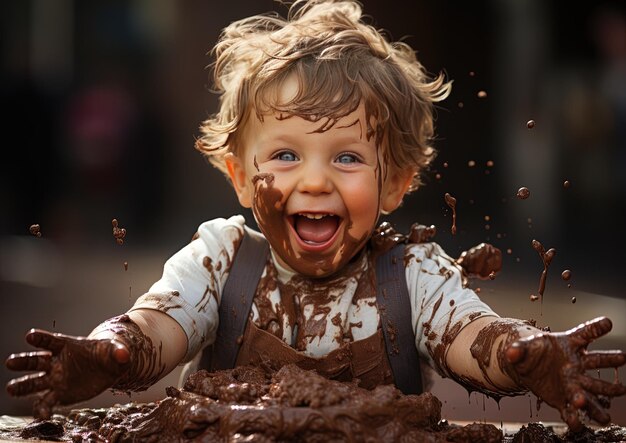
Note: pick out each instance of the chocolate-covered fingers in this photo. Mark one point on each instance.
(601, 387)
(595, 410)
(28, 384)
(29, 361)
(42, 407)
(46, 340)
(604, 359)
(572, 417)
(590, 330)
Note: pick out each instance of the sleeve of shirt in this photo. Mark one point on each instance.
(441, 306)
(190, 288)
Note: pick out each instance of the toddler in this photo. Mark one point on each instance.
(323, 126)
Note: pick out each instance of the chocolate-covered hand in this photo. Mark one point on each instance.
(69, 369)
(553, 366)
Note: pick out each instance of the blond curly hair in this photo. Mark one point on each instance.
(340, 62)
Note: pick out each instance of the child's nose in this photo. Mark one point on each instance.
(315, 180)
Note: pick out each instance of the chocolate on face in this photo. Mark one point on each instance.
(269, 211)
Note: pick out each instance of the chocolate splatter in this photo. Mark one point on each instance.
(530, 124)
(523, 193)
(482, 347)
(125, 266)
(566, 275)
(421, 233)
(546, 258)
(118, 233)
(385, 237)
(566, 184)
(451, 202)
(35, 230)
(483, 261)
(146, 366)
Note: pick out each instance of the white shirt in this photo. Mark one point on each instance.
(331, 311)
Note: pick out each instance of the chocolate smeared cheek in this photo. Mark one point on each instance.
(269, 210)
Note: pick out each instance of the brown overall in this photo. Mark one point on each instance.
(388, 356)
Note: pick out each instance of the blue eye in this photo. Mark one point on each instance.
(346, 159)
(286, 156)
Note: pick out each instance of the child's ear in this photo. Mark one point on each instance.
(394, 189)
(239, 179)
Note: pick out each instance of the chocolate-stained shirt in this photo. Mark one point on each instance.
(313, 315)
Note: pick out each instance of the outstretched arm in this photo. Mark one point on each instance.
(129, 352)
(508, 357)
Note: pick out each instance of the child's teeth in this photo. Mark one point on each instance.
(314, 216)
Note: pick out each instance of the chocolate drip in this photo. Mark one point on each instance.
(118, 233)
(451, 202)
(546, 258)
(35, 230)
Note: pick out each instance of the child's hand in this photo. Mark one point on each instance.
(70, 369)
(553, 366)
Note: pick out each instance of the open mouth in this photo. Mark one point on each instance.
(315, 231)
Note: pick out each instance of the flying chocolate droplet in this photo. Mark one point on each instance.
(35, 230)
(530, 124)
(523, 193)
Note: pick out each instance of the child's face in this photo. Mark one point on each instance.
(316, 195)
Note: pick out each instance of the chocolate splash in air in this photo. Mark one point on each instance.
(546, 258)
(483, 261)
(566, 275)
(35, 230)
(530, 124)
(523, 193)
(385, 237)
(118, 233)
(421, 233)
(451, 202)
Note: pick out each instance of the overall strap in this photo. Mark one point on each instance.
(237, 295)
(392, 297)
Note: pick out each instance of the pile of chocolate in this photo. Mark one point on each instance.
(289, 405)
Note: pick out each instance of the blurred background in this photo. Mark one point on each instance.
(102, 101)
